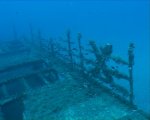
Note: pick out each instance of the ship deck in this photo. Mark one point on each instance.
(48, 89)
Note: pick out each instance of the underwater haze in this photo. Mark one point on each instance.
(117, 22)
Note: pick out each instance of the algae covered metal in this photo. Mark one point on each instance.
(46, 81)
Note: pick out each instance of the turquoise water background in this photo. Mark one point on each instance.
(116, 22)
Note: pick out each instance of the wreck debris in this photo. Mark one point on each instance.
(80, 52)
(100, 72)
(100, 67)
(131, 63)
(69, 47)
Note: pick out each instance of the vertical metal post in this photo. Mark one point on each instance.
(69, 48)
(80, 51)
(51, 47)
(131, 63)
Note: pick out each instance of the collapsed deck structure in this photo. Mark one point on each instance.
(49, 81)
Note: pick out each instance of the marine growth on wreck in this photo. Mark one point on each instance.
(49, 81)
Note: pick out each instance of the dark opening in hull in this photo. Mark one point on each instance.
(13, 110)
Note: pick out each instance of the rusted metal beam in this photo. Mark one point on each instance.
(131, 63)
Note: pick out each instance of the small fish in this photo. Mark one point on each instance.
(74, 49)
(113, 67)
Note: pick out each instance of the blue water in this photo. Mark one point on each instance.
(113, 21)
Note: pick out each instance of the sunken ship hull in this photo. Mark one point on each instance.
(47, 81)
